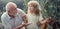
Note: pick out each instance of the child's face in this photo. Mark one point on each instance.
(31, 8)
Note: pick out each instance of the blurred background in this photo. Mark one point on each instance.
(49, 8)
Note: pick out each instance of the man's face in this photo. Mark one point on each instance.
(12, 11)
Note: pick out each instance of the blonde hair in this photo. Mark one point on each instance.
(36, 5)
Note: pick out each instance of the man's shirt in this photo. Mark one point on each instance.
(9, 22)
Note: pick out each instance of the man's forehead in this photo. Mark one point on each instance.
(11, 4)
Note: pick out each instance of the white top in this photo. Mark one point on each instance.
(32, 18)
(9, 22)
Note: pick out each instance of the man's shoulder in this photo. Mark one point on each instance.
(20, 10)
(4, 15)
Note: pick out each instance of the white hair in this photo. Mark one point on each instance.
(10, 3)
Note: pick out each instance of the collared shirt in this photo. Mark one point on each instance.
(9, 22)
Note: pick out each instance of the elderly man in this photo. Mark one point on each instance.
(12, 18)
